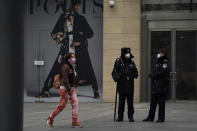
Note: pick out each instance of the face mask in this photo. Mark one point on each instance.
(73, 60)
(127, 55)
(158, 56)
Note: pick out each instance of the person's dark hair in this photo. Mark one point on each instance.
(75, 2)
(67, 56)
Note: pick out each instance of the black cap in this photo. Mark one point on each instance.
(126, 50)
(164, 51)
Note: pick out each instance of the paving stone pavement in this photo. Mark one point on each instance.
(180, 116)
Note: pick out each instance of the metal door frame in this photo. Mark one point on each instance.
(175, 74)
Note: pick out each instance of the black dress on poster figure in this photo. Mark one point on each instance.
(81, 32)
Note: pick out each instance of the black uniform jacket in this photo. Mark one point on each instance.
(160, 76)
(127, 72)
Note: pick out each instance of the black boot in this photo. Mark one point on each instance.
(160, 121)
(119, 120)
(44, 94)
(120, 117)
(96, 94)
(131, 120)
(148, 120)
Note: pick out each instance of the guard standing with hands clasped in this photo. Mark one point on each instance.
(160, 81)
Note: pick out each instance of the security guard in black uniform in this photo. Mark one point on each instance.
(127, 71)
(160, 81)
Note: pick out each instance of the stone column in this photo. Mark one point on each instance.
(11, 65)
(121, 29)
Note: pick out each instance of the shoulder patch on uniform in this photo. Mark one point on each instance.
(165, 65)
(131, 65)
(165, 60)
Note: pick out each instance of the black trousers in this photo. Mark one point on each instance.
(160, 100)
(121, 107)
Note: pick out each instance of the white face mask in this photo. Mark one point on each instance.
(127, 55)
(158, 56)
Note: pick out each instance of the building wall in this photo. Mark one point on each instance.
(121, 28)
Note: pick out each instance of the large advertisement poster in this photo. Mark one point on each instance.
(51, 29)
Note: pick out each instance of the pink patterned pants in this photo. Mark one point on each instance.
(64, 96)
